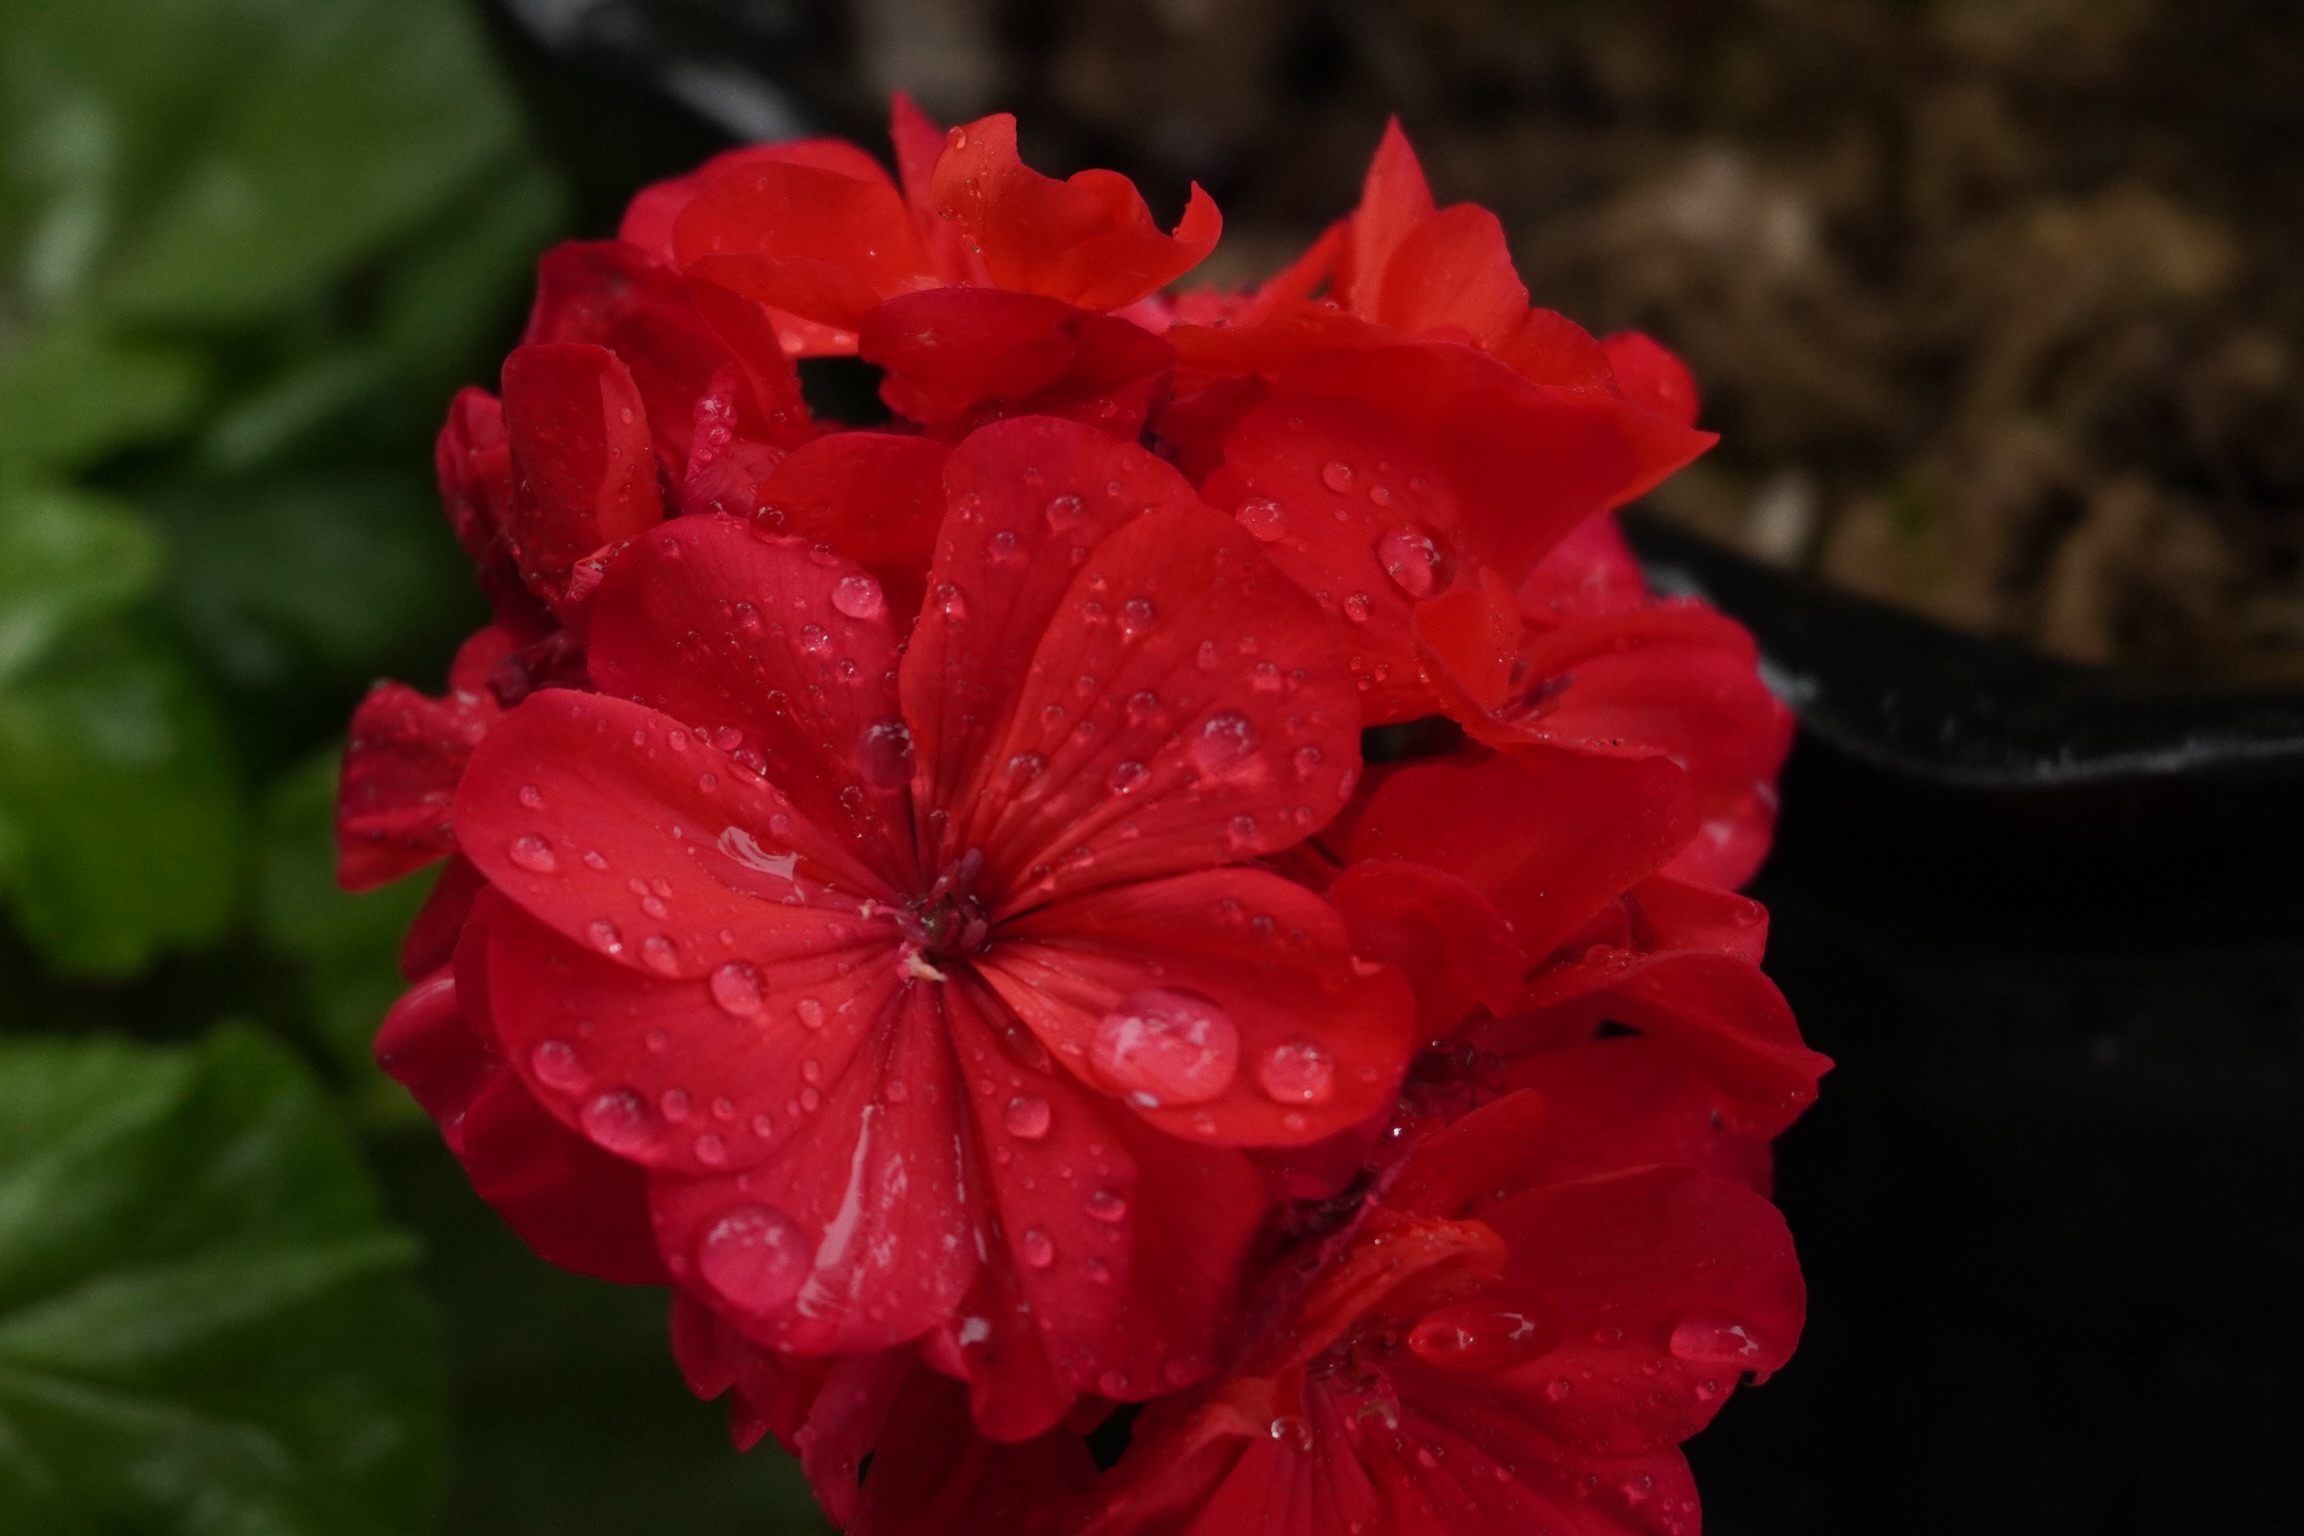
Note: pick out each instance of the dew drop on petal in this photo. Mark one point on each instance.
(736, 988)
(884, 755)
(1411, 558)
(1308, 760)
(658, 953)
(811, 1013)
(756, 1257)
(1337, 476)
(555, 1065)
(1143, 704)
(1298, 1073)
(815, 639)
(533, 854)
(1108, 1205)
(1128, 776)
(1559, 1389)
(1136, 616)
(1113, 1384)
(1182, 1370)
(675, 1104)
(1224, 741)
(1493, 1331)
(618, 1120)
(1027, 1117)
(531, 797)
(1241, 830)
(604, 936)
(1263, 517)
(1169, 1047)
(1713, 1339)
(1359, 607)
(858, 597)
(711, 1150)
(1037, 1248)
(1292, 1430)
(1066, 512)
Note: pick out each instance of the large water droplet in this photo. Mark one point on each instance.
(1411, 558)
(533, 854)
(1298, 1073)
(1028, 1117)
(736, 987)
(618, 1120)
(1108, 1205)
(1263, 517)
(756, 1257)
(858, 596)
(884, 755)
(1491, 1332)
(1713, 1339)
(1292, 1430)
(1337, 476)
(1037, 1247)
(1224, 741)
(555, 1065)
(658, 953)
(1162, 1047)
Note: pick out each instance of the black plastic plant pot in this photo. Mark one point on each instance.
(2051, 1204)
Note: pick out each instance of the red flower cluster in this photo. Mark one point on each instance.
(919, 892)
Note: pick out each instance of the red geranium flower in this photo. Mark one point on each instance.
(1481, 1351)
(924, 977)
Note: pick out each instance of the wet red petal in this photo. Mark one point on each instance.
(919, 144)
(1394, 198)
(934, 1472)
(1549, 836)
(584, 474)
(1089, 240)
(1455, 948)
(1546, 347)
(431, 937)
(1305, 1042)
(861, 1231)
(1651, 377)
(780, 652)
(1674, 914)
(958, 357)
(824, 241)
(403, 759)
(1666, 1283)
(1626, 1102)
(876, 497)
(1590, 572)
(1453, 270)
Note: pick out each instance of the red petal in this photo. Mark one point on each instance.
(1454, 270)
(1666, 1283)
(1320, 1040)
(1089, 241)
(1674, 914)
(654, 209)
(919, 144)
(783, 653)
(613, 825)
(1723, 1016)
(1359, 513)
(846, 1420)
(1394, 198)
(425, 1046)
(1464, 1465)
(824, 241)
(1549, 836)
(1455, 948)
(1546, 347)
(573, 1204)
(861, 1231)
(959, 357)
(584, 474)
(1651, 377)
(1625, 1103)
(933, 1472)
(431, 937)
(876, 497)
(1182, 708)
(1589, 572)
(1455, 1170)
(403, 759)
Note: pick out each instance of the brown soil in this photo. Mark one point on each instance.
(1996, 302)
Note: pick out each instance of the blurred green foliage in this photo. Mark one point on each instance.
(248, 248)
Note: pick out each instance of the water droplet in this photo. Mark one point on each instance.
(1136, 616)
(1108, 1205)
(1607, 1336)
(1298, 1073)
(755, 1256)
(604, 936)
(1066, 512)
(858, 597)
(1241, 831)
(815, 639)
(1713, 1339)
(1263, 517)
(658, 953)
(1167, 1047)
(595, 860)
(1143, 704)
(1411, 558)
(1028, 1117)
(1128, 775)
(675, 1104)
(1224, 741)
(618, 1120)
(1337, 476)
(1292, 1430)
(1359, 607)
(1113, 1384)
(1308, 760)
(1490, 1332)
(1037, 1248)
(736, 987)
(555, 1065)
(884, 755)
(1004, 548)
(1024, 767)
(533, 854)
(531, 797)
(711, 1150)
(1208, 658)
(1557, 1391)
(1182, 1370)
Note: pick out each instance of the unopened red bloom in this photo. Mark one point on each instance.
(927, 984)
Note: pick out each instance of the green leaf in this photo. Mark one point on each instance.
(65, 557)
(70, 393)
(119, 816)
(348, 945)
(351, 574)
(374, 117)
(205, 1327)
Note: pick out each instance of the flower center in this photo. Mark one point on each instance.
(949, 922)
